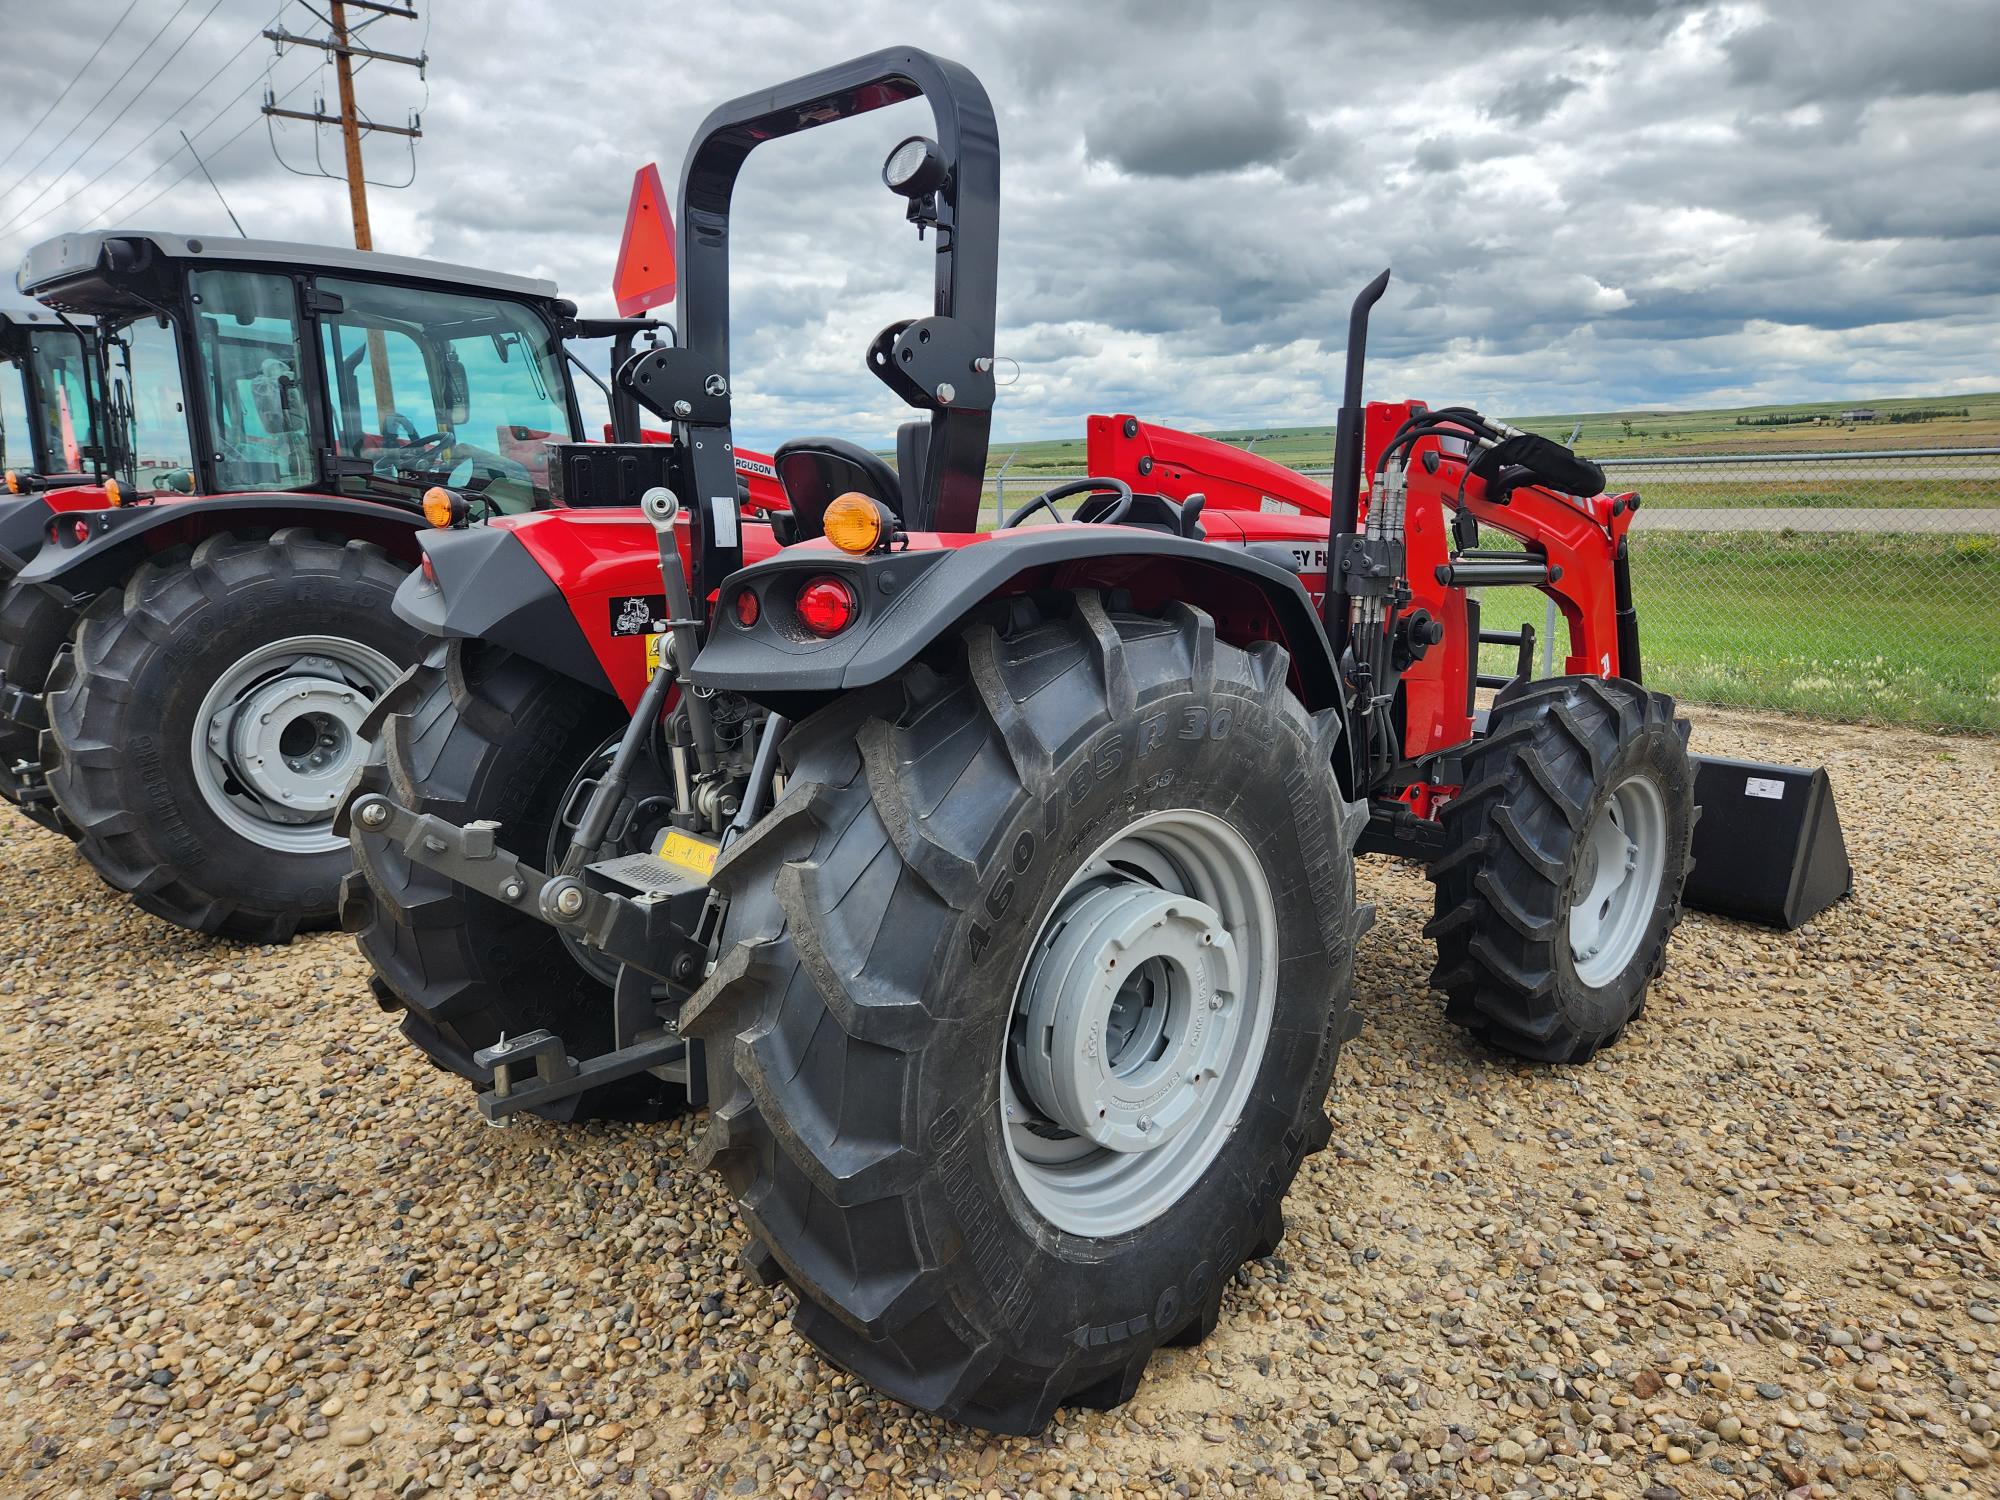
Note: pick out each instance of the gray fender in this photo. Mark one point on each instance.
(489, 587)
(120, 539)
(910, 599)
(24, 525)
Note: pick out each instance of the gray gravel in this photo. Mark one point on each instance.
(250, 1244)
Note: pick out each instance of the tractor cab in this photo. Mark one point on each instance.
(48, 437)
(237, 367)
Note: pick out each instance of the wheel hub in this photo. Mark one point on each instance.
(292, 742)
(1617, 881)
(1139, 1022)
(1123, 1003)
(278, 735)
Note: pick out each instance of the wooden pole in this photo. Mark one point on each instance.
(357, 198)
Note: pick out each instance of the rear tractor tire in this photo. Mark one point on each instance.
(477, 732)
(34, 627)
(1032, 989)
(205, 724)
(1566, 853)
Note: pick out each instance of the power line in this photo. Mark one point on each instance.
(126, 108)
(109, 92)
(351, 120)
(127, 153)
(189, 172)
(29, 133)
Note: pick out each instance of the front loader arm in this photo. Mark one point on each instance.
(1163, 461)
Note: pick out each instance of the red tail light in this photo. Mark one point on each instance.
(82, 530)
(429, 570)
(826, 606)
(747, 609)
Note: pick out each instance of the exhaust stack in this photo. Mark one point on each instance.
(1346, 507)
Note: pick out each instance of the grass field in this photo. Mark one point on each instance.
(1896, 630)
(1634, 434)
(1888, 629)
(1691, 490)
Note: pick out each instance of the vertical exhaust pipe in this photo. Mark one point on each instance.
(1346, 507)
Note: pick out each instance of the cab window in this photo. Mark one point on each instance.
(430, 387)
(67, 429)
(149, 407)
(246, 331)
(16, 451)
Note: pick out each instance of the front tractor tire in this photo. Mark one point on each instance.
(475, 731)
(1566, 852)
(1031, 992)
(206, 722)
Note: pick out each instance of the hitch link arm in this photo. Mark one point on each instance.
(615, 925)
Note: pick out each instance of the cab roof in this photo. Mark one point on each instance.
(97, 271)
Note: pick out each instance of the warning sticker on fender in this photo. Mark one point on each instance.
(686, 852)
(1763, 786)
(636, 614)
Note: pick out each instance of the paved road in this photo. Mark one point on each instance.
(1964, 521)
(1751, 471)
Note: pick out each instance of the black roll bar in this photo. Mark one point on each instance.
(967, 262)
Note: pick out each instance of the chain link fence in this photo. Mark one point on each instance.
(1844, 585)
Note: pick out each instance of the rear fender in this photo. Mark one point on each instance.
(23, 529)
(910, 600)
(116, 541)
(577, 590)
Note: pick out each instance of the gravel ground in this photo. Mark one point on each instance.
(251, 1245)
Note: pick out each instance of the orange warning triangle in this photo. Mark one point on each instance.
(645, 274)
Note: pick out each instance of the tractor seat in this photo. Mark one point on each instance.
(816, 471)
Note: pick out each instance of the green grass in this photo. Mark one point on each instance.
(1627, 434)
(1899, 630)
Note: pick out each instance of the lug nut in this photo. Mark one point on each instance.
(513, 890)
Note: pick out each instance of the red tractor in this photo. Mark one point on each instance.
(996, 891)
(188, 648)
(50, 462)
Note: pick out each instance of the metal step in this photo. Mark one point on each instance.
(646, 875)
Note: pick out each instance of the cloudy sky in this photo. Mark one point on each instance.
(1587, 205)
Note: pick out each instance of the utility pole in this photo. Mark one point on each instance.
(350, 129)
(344, 51)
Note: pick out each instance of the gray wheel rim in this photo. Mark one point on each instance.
(1618, 880)
(277, 738)
(1139, 1023)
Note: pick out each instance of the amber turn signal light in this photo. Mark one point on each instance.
(114, 493)
(857, 524)
(13, 483)
(444, 508)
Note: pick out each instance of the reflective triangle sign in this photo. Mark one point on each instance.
(645, 274)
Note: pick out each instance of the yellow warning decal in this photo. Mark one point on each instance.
(656, 646)
(686, 852)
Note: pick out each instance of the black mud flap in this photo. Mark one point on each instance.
(1768, 846)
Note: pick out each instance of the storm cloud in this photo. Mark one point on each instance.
(1592, 204)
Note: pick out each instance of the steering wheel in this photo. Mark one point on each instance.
(395, 419)
(417, 449)
(1111, 515)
